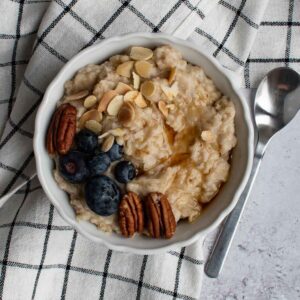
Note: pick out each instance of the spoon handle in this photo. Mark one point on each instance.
(218, 255)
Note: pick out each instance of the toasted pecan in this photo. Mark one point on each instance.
(61, 130)
(131, 217)
(160, 218)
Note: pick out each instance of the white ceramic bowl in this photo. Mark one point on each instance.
(241, 159)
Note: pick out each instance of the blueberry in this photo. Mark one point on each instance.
(72, 167)
(86, 141)
(98, 164)
(102, 195)
(115, 152)
(125, 171)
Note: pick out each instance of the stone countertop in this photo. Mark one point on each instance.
(264, 259)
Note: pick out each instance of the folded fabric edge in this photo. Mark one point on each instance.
(230, 60)
(7, 196)
(189, 24)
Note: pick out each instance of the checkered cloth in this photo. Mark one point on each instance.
(41, 257)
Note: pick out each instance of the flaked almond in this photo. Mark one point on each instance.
(147, 88)
(115, 105)
(76, 96)
(117, 131)
(103, 135)
(120, 140)
(130, 96)
(143, 68)
(171, 91)
(140, 101)
(106, 98)
(163, 108)
(90, 115)
(126, 114)
(123, 88)
(171, 106)
(94, 126)
(172, 75)
(136, 80)
(140, 53)
(125, 68)
(90, 101)
(107, 143)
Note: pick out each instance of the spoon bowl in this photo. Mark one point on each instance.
(277, 102)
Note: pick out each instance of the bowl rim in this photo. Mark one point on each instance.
(250, 145)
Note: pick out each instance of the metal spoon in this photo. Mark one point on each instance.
(276, 102)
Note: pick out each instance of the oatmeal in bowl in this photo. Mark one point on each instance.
(141, 142)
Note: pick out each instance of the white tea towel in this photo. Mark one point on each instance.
(277, 42)
(41, 257)
(231, 45)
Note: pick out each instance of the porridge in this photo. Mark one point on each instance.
(141, 141)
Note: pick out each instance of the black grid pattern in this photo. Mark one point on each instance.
(42, 265)
(48, 230)
(8, 241)
(17, 128)
(142, 272)
(231, 27)
(284, 27)
(28, 210)
(237, 21)
(267, 29)
(68, 264)
(116, 277)
(13, 59)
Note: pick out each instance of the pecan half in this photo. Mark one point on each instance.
(61, 130)
(160, 218)
(131, 217)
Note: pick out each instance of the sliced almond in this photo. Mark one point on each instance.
(126, 114)
(130, 96)
(115, 105)
(125, 68)
(140, 101)
(90, 101)
(143, 68)
(90, 115)
(103, 135)
(122, 88)
(93, 125)
(107, 143)
(167, 91)
(76, 96)
(147, 88)
(171, 106)
(106, 98)
(140, 53)
(163, 108)
(136, 80)
(171, 91)
(172, 75)
(117, 131)
(120, 140)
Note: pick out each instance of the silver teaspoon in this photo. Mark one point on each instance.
(276, 102)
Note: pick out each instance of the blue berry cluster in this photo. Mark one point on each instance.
(87, 164)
